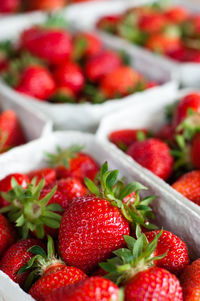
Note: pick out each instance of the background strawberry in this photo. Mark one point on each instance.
(44, 4)
(49, 174)
(7, 234)
(9, 6)
(190, 281)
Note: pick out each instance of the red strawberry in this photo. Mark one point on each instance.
(177, 254)
(49, 174)
(163, 44)
(190, 101)
(11, 133)
(86, 45)
(191, 55)
(151, 84)
(72, 162)
(91, 289)
(102, 64)
(71, 76)
(152, 23)
(177, 14)
(92, 227)
(189, 186)
(9, 6)
(154, 155)
(190, 281)
(45, 4)
(63, 95)
(166, 133)
(5, 185)
(53, 272)
(15, 257)
(109, 23)
(124, 138)
(7, 234)
(195, 150)
(51, 44)
(120, 82)
(36, 81)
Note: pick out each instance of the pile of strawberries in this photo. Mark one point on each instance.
(171, 153)
(170, 31)
(51, 64)
(106, 247)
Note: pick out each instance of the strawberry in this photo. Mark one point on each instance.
(90, 289)
(86, 45)
(166, 133)
(194, 151)
(9, 6)
(151, 84)
(187, 103)
(70, 75)
(120, 82)
(63, 95)
(6, 185)
(177, 254)
(36, 81)
(11, 133)
(49, 174)
(51, 44)
(102, 64)
(191, 55)
(133, 268)
(100, 214)
(124, 138)
(163, 44)
(53, 272)
(72, 162)
(109, 23)
(7, 234)
(189, 186)
(32, 213)
(176, 14)
(190, 281)
(152, 23)
(45, 4)
(154, 155)
(15, 257)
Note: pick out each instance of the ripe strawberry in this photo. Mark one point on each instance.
(124, 138)
(9, 6)
(166, 133)
(120, 82)
(191, 55)
(51, 44)
(90, 289)
(36, 81)
(154, 155)
(163, 44)
(86, 45)
(63, 95)
(15, 257)
(109, 23)
(102, 64)
(7, 234)
(53, 272)
(71, 76)
(190, 281)
(194, 151)
(72, 162)
(49, 174)
(11, 133)
(177, 254)
(189, 186)
(45, 4)
(92, 227)
(6, 185)
(177, 14)
(189, 102)
(152, 23)
(151, 84)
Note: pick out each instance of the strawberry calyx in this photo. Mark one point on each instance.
(63, 157)
(54, 21)
(182, 154)
(137, 212)
(190, 125)
(80, 46)
(137, 257)
(93, 94)
(30, 212)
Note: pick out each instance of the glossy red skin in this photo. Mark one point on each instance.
(125, 137)
(52, 45)
(190, 281)
(45, 4)
(16, 256)
(119, 82)
(71, 76)
(10, 126)
(36, 81)
(8, 234)
(90, 289)
(91, 229)
(177, 14)
(49, 174)
(195, 151)
(93, 44)
(166, 133)
(163, 44)
(153, 284)
(154, 155)
(80, 167)
(189, 186)
(57, 276)
(177, 257)
(109, 23)
(191, 55)
(9, 6)
(102, 64)
(5, 185)
(152, 23)
(190, 101)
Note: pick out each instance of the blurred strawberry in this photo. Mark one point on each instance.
(9, 6)
(63, 94)
(45, 4)
(109, 23)
(161, 43)
(152, 23)
(166, 133)
(49, 174)
(177, 14)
